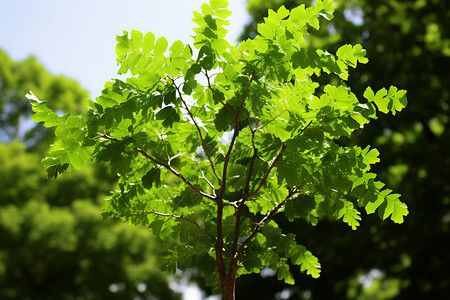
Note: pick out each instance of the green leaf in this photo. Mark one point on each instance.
(176, 49)
(218, 4)
(153, 177)
(299, 207)
(187, 198)
(169, 115)
(308, 262)
(148, 43)
(54, 167)
(393, 207)
(136, 40)
(349, 214)
(283, 273)
(160, 46)
(41, 112)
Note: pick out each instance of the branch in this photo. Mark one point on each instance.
(235, 134)
(263, 181)
(219, 198)
(264, 220)
(199, 132)
(167, 166)
(168, 215)
(244, 196)
(214, 94)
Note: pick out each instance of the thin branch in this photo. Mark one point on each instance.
(198, 130)
(167, 166)
(264, 220)
(235, 134)
(304, 128)
(263, 181)
(219, 242)
(169, 215)
(245, 195)
(214, 94)
(219, 199)
(209, 183)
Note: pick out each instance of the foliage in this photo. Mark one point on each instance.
(407, 44)
(210, 147)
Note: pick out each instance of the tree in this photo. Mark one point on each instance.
(209, 149)
(55, 244)
(407, 44)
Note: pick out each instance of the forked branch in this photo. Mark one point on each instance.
(167, 166)
(267, 218)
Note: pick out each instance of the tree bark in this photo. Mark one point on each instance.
(228, 287)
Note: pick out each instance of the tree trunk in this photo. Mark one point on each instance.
(228, 287)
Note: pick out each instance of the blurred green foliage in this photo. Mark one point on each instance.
(54, 242)
(408, 45)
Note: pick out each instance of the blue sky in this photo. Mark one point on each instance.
(77, 38)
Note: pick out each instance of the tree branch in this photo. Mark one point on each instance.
(198, 130)
(263, 181)
(264, 220)
(214, 94)
(169, 215)
(219, 198)
(244, 197)
(167, 166)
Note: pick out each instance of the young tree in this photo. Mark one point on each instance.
(210, 147)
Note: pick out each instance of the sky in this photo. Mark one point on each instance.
(77, 38)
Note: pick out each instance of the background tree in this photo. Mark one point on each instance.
(55, 244)
(210, 147)
(408, 44)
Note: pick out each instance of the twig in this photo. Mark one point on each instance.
(214, 94)
(263, 181)
(198, 130)
(168, 215)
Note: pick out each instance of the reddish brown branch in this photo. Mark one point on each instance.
(219, 199)
(205, 148)
(263, 181)
(244, 197)
(267, 218)
(214, 94)
(167, 166)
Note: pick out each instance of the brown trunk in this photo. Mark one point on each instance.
(228, 287)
